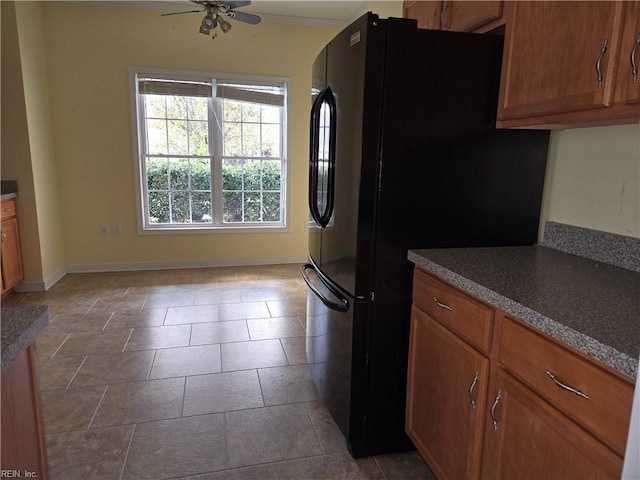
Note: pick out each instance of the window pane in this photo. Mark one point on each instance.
(232, 139)
(177, 107)
(250, 140)
(159, 207)
(250, 112)
(201, 207)
(180, 207)
(198, 108)
(200, 174)
(252, 175)
(270, 114)
(178, 135)
(252, 207)
(270, 140)
(179, 174)
(156, 137)
(271, 175)
(157, 174)
(155, 106)
(198, 138)
(232, 207)
(271, 207)
(232, 174)
(232, 111)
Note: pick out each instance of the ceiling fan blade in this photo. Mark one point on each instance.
(244, 17)
(237, 4)
(180, 13)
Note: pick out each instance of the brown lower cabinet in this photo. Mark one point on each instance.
(23, 442)
(495, 409)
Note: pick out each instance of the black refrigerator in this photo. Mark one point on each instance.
(404, 154)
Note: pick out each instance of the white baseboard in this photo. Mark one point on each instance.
(41, 286)
(131, 267)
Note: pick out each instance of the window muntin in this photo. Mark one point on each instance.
(211, 153)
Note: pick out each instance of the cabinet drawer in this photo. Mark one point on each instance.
(8, 208)
(534, 357)
(469, 318)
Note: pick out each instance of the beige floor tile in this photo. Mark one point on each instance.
(329, 435)
(281, 327)
(192, 314)
(219, 332)
(84, 322)
(148, 338)
(69, 410)
(87, 343)
(48, 343)
(111, 304)
(288, 384)
(169, 300)
(222, 392)
(329, 467)
(210, 296)
(148, 317)
(270, 434)
(96, 454)
(178, 447)
(126, 403)
(243, 311)
(262, 294)
(183, 361)
(401, 466)
(259, 472)
(114, 368)
(258, 354)
(56, 373)
(285, 308)
(295, 349)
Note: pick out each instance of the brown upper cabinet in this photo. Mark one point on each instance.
(569, 64)
(457, 16)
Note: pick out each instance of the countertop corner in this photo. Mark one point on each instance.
(20, 326)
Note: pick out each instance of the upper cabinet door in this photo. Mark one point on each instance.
(628, 90)
(460, 16)
(559, 57)
(427, 13)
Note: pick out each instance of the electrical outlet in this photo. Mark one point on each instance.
(104, 230)
(115, 229)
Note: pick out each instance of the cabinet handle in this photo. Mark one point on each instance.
(566, 387)
(2, 236)
(634, 67)
(473, 385)
(493, 410)
(603, 50)
(442, 305)
(443, 15)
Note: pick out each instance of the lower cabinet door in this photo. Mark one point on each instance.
(446, 398)
(527, 438)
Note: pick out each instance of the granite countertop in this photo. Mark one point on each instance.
(8, 189)
(20, 327)
(589, 305)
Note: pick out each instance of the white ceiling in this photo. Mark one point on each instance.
(302, 12)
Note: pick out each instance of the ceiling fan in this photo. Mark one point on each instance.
(217, 14)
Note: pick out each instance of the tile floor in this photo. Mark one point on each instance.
(191, 374)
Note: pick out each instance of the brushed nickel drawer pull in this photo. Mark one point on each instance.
(603, 50)
(442, 305)
(566, 387)
(473, 385)
(493, 410)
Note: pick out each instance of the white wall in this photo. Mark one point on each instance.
(593, 179)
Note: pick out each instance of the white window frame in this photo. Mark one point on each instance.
(215, 134)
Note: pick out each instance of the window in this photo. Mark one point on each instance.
(210, 151)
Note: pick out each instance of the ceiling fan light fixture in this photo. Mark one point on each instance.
(225, 26)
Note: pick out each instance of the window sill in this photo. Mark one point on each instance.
(190, 230)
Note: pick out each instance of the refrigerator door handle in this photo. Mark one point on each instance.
(319, 129)
(343, 306)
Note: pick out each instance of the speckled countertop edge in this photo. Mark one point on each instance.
(20, 327)
(604, 353)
